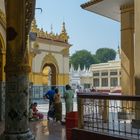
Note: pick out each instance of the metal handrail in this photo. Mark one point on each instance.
(110, 114)
(99, 95)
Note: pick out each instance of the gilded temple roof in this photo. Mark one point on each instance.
(62, 37)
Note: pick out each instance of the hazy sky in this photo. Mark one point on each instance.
(85, 29)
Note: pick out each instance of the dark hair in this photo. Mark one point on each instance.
(53, 87)
(68, 87)
(35, 103)
(56, 90)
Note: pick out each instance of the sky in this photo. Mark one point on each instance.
(86, 30)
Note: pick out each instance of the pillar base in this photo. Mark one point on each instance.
(2, 101)
(19, 136)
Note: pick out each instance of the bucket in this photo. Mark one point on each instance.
(71, 122)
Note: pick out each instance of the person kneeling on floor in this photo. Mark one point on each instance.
(33, 113)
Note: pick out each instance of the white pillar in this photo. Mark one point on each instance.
(118, 76)
(109, 85)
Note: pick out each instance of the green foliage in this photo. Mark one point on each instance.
(96, 60)
(82, 58)
(105, 54)
(85, 58)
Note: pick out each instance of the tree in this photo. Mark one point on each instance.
(105, 54)
(82, 58)
(96, 60)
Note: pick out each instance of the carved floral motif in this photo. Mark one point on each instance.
(2, 18)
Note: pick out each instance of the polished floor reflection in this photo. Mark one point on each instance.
(45, 130)
(48, 130)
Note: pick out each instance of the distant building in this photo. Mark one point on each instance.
(76, 77)
(106, 76)
(127, 12)
(103, 77)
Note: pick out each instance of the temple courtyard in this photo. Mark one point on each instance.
(44, 129)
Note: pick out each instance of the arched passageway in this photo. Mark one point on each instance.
(51, 69)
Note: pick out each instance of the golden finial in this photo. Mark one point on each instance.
(42, 33)
(51, 29)
(63, 35)
(63, 28)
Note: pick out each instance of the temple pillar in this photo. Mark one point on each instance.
(127, 49)
(2, 85)
(136, 122)
(2, 78)
(2, 100)
(137, 47)
(19, 14)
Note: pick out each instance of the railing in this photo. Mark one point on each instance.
(114, 115)
(37, 92)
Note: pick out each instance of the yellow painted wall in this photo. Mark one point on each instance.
(63, 79)
(137, 47)
(127, 50)
(39, 79)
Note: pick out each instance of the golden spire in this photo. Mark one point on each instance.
(63, 28)
(62, 37)
(51, 29)
(63, 34)
(42, 33)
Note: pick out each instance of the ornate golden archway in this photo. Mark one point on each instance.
(51, 73)
(50, 61)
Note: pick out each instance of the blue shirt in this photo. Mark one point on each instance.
(50, 95)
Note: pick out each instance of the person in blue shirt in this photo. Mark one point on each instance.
(50, 95)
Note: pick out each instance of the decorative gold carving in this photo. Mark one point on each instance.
(2, 19)
(65, 52)
(29, 15)
(2, 43)
(62, 37)
(63, 33)
(34, 51)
